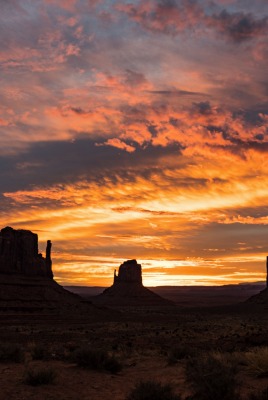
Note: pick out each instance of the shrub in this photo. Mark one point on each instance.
(11, 353)
(179, 353)
(257, 361)
(38, 352)
(96, 359)
(260, 396)
(212, 377)
(39, 376)
(150, 390)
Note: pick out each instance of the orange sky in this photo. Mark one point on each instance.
(133, 129)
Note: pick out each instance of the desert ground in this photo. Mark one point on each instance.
(169, 345)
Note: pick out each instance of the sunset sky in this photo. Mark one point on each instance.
(137, 129)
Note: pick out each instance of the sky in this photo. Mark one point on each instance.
(134, 129)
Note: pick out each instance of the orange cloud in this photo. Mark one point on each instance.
(119, 144)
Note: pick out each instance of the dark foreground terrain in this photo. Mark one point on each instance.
(200, 352)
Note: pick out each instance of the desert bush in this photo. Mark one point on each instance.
(151, 390)
(39, 376)
(39, 352)
(179, 352)
(259, 396)
(212, 377)
(87, 357)
(11, 353)
(60, 353)
(257, 361)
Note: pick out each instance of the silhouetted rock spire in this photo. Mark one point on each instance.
(19, 254)
(48, 259)
(266, 272)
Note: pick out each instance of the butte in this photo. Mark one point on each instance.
(128, 290)
(26, 278)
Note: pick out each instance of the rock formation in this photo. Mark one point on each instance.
(129, 272)
(128, 290)
(19, 254)
(262, 297)
(26, 278)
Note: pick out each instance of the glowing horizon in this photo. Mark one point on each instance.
(184, 273)
(138, 130)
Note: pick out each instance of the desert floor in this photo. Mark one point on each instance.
(150, 344)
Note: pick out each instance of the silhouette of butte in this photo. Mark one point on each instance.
(26, 277)
(128, 290)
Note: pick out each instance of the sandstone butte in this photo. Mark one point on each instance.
(26, 277)
(19, 254)
(128, 290)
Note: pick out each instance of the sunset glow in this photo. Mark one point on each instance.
(138, 129)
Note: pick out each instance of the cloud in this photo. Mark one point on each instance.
(175, 92)
(239, 26)
(174, 17)
(119, 144)
(165, 16)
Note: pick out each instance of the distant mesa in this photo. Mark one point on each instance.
(128, 290)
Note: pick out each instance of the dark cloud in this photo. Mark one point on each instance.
(239, 26)
(51, 163)
(173, 17)
(134, 79)
(176, 92)
(226, 238)
(241, 147)
(203, 107)
(153, 130)
(79, 110)
(248, 212)
(166, 16)
(260, 137)
(252, 116)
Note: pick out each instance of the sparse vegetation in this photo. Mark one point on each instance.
(11, 353)
(97, 359)
(151, 390)
(179, 352)
(259, 396)
(38, 352)
(39, 376)
(189, 338)
(257, 361)
(212, 377)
